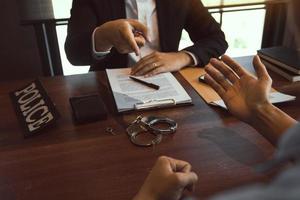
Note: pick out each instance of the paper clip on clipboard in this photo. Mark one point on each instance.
(155, 104)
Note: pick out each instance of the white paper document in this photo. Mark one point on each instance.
(275, 97)
(130, 95)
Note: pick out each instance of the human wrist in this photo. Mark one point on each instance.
(271, 122)
(141, 195)
(185, 59)
(261, 111)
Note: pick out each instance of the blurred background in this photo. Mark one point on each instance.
(238, 24)
(33, 33)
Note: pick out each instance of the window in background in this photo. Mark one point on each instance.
(219, 3)
(185, 39)
(62, 8)
(68, 68)
(244, 31)
(61, 11)
(243, 27)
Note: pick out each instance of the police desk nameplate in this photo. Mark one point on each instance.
(34, 108)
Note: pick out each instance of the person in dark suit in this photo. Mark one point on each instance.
(144, 35)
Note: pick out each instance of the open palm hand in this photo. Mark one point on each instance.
(241, 91)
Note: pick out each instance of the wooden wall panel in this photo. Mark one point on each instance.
(19, 55)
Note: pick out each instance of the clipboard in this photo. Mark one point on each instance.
(131, 95)
(162, 103)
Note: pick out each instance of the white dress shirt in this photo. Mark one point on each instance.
(145, 12)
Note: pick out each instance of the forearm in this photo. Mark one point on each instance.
(78, 49)
(144, 193)
(78, 44)
(185, 59)
(142, 196)
(271, 122)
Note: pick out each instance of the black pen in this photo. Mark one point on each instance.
(138, 33)
(151, 85)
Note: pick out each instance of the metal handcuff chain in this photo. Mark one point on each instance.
(147, 125)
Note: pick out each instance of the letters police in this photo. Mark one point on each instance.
(34, 107)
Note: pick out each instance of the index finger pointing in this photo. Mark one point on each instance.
(140, 27)
(129, 37)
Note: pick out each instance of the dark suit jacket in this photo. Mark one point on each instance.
(173, 17)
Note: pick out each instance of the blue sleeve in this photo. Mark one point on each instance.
(286, 186)
(289, 145)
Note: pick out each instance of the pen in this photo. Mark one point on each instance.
(138, 33)
(151, 85)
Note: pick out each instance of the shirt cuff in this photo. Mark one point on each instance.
(97, 54)
(195, 60)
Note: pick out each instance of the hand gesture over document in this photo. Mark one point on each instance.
(158, 62)
(167, 180)
(241, 91)
(121, 34)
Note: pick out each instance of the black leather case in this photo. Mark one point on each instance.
(88, 108)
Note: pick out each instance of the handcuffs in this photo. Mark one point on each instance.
(147, 125)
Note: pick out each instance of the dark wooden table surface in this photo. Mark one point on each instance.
(85, 162)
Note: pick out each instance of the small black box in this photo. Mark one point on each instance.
(88, 108)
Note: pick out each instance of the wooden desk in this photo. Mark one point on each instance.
(84, 162)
